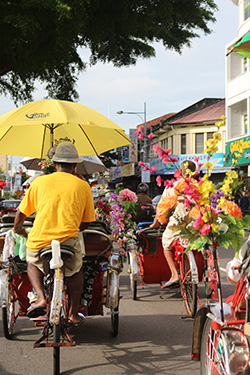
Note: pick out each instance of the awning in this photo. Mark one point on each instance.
(242, 46)
(171, 171)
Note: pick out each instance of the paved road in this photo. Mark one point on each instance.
(152, 339)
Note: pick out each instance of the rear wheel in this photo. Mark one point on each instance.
(188, 288)
(56, 350)
(9, 312)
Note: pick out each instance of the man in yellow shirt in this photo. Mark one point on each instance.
(63, 203)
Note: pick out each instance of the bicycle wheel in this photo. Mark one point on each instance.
(115, 320)
(223, 351)
(189, 289)
(133, 285)
(9, 312)
(56, 350)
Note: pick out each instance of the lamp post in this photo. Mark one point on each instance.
(144, 128)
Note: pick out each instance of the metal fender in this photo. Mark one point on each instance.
(199, 322)
(193, 267)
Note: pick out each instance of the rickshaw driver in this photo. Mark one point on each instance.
(63, 203)
(169, 236)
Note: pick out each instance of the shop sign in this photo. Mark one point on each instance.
(240, 146)
(216, 159)
(133, 148)
(115, 173)
(125, 154)
(145, 176)
(128, 170)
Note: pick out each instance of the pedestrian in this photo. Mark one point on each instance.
(145, 209)
(244, 204)
(63, 203)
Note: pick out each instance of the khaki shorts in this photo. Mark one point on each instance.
(72, 265)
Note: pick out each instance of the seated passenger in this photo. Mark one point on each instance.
(179, 213)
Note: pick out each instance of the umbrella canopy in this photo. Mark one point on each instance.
(90, 164)
(33, 128)
(242, 46)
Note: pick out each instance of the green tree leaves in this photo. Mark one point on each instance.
(42, 39)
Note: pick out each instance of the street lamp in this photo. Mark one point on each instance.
(144, 130)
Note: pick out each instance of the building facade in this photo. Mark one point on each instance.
(238, 97)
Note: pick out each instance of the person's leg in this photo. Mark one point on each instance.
(36, 279)
(75, 285)
(169, 255)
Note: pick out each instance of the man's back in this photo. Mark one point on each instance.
(61, 202)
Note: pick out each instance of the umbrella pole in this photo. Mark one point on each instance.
(52, 136)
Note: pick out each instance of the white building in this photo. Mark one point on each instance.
(238, 96)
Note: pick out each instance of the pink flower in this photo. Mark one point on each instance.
(169, 183)
(156, 148)
(161, 153)
(196, 159)
(198, 222)
(158, 180)
(153, 169)
(145, 167)
(196, 173)
(173, 159)
(165, 159)
(200, 165)
(127, 195)
(141, 136)
(138, 131)
(205, 230)
(140, 163)
(150, 136)
(177, 174)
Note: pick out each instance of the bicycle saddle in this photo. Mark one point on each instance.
(67, 252)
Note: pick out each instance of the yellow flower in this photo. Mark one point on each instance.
(215, 227)
(217, 136)
(209, 165)
(232, 174)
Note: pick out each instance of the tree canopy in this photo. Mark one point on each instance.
(41, 40)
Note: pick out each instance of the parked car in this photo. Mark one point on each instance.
(156, 200)
(8, 205)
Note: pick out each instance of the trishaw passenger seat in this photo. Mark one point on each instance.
(148, 239)
(67, 252)
(96, 242)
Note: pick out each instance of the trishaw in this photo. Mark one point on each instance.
(153, 267)
(221, 331)
(101, 278)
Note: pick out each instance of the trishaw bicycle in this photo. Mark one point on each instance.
(15, 286)
(154, 269)
(221, 330)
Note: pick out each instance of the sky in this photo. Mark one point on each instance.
(167, 83)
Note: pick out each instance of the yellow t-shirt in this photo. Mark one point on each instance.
(61, 202)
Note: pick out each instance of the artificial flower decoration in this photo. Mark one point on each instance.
(2, 184)
(165, 208)
(141, 136)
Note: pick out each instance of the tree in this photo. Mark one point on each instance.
(41, 40)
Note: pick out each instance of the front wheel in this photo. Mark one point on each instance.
(224, 351)
(189, 289)
(9, 311)
(133, 285)
(115, 321)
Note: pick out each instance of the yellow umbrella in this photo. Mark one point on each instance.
(35, 127)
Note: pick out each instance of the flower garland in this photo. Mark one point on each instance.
(118, 212)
